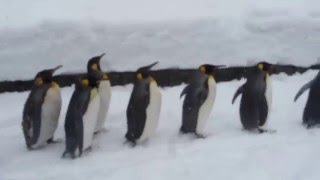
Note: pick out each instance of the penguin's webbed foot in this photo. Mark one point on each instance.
(271, 131)
(200, 136)
(132, 144)
(71, 154)
(102, 130)
(51, 141)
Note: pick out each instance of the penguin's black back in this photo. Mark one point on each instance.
(137, 109)
(253, 105)
(196, 93)
(74, 123)
(32, 112)
(311, 115)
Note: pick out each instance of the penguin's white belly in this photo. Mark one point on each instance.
(153, 113)
(268, 95)
(206, 107)
(105, 96)
(90, 118)
(50, 112)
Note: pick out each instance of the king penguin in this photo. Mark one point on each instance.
(311, 114)
(41, 110)
(82, 114)
(104, 91)
(199, 98)
(256, 98)
(144, 107)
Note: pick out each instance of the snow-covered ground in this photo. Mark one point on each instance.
(39, 34)
(227, 153)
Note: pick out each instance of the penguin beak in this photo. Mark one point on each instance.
(56, 68)
(102, 55)
(220, 66)
(147, 68)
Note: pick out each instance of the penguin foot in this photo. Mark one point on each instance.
(311, 125)
(51, 141)
(271, 131)
(130, 143)
(200, 136)
(71, 155)
(89, 149)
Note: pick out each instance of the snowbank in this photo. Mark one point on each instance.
(178, 33)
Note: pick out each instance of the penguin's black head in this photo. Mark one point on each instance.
(144, 72)
(94, 63)
(264, 66)
(209, 69)
(45, 76)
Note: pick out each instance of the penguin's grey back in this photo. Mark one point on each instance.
(253, 105)
(195, 93)
(137, 109)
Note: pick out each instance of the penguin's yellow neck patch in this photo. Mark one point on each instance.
(85, 82)
(105, 77)
(54, 84)
(202, 69)
(267, 75)
(93, 93)
(38, 81)
(94, 67)
(260, 66)
(139, 76)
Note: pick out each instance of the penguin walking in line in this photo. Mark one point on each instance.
(311, 114)
(104, 91)
(41, 110)
(199, 98)
(144, 107)
(256, 98)
(82, 116)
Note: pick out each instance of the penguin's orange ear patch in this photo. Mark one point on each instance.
(38, 81)
(202, 69)
(94, 67)
(260, 66)
(139, 76)
(85, 82)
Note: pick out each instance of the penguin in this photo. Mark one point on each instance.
(311, 114)
(199, 98)
(144, 106)
(104, 91)
(42, 110)
(81, 117)
(256, 98)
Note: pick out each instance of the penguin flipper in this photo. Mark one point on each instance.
(303, 88)
(185, 91)
(263, 112)
(238, 92)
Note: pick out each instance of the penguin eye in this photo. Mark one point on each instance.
(85, 82)
(39, 81)
(203, 69)
(139, 76)
(94, 67)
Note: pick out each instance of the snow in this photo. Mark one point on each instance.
(39, 34)
(179, 33)
(227, 153)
